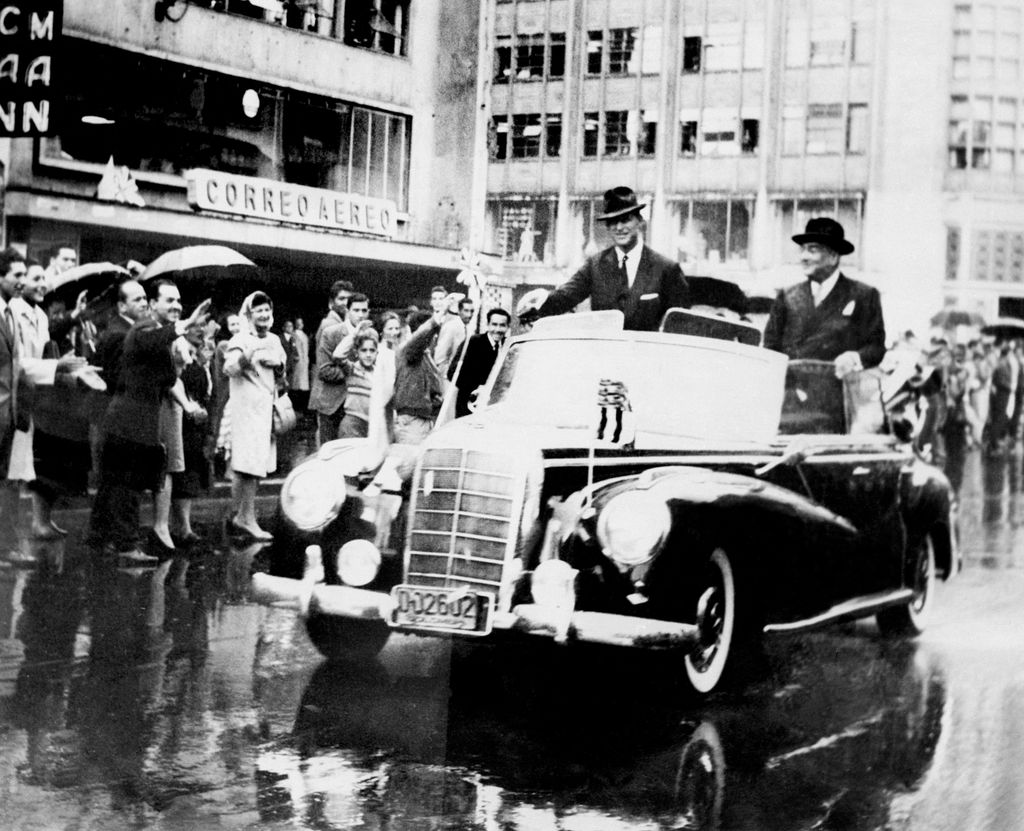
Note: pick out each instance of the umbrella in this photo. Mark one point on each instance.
(951, 318)
(198, 260)
(1004, 327)
(94, 277)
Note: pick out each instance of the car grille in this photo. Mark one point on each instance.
(465, 512)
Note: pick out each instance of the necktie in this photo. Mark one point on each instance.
(815, 292)
(623, 269)
(12, 335)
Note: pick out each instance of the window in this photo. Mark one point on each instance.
(526, 130)
(952, 253)
(164, 118)
(793, 130)
(530, 57)
(719, 133)
(797, 42)
(553, 135)
(621, 51)
(692, 51)
(522, 229)
(688, 138)
(498, 137)
(857, 128)
(722, 47)
(828, 41)
(502, 59)
(981, 132)
(1004, 137)
(793, 215)
(647, 132)
(825, 133)
(753, 44)
(556, 55)
(750, 136)
(713, 232)
(595, 52)
(591, 124)
(651, 50)
(377, 24)
(959, 132)
(616, 133)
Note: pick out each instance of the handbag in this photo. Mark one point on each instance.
(284, 415)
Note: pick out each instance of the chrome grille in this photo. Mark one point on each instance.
(465, 513)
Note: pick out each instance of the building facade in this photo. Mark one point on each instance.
(321, 139)
(737, 120)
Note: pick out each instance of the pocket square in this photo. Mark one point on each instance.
(848, 308)
(650, 296)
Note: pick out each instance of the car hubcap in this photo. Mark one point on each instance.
(710, 619)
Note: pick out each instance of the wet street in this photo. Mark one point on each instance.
(164, 699)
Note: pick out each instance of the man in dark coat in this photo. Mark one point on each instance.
(828, 316)
(629, 276)
(132, 459)
(481, 352)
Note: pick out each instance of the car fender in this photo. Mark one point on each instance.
(929, 506)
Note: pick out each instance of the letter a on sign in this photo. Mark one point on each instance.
(615, 422)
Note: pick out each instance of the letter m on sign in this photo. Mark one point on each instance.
(30, 59)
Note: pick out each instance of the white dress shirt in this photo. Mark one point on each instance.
(819, 291)
(632, 260)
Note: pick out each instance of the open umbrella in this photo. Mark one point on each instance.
(951, 318)
(1004, 328)
(87, 275)
(197, 260)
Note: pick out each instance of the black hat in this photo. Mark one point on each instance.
(619, 202)
(826, 231)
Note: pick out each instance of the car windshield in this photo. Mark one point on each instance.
(691, 388)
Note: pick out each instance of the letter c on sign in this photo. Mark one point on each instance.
(6, 12)
(212, 188)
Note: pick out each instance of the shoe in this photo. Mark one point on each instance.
(240, 531)
(185, 540)
(157, 546)
(137, 557)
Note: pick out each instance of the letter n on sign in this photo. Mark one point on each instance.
(30, 45)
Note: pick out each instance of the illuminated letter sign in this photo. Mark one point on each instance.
(228, 193)
(30, 34)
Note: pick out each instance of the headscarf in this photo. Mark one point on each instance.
(245, 312)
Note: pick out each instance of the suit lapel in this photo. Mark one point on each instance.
(832, 305)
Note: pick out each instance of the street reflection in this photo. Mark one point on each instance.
(566, 743)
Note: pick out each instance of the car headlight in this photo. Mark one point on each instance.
(312, 495)
(358, 562)
(633, 526)
(554, 584)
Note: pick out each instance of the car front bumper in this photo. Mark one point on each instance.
(559, 624)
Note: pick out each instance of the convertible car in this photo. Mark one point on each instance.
(646, 490)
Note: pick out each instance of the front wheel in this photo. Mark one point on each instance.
(345, 639)
(716, 616)
(912, 618)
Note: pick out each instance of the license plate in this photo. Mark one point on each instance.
(442, 610)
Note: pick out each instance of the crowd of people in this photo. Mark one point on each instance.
(142, 398)
(970, 394)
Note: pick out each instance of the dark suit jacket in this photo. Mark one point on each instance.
(658, 287)
(476, 366)
(848, 320)
(147, 373)
(10, 374)
(329, 387)
(110, 352)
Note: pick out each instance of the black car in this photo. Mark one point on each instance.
(621, 488)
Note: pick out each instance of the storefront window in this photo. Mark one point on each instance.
(161, 119)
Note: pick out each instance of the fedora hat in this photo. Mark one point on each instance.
(619, 201)
(826, 231)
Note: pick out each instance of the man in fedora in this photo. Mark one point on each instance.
(628, 276)
(827, 317)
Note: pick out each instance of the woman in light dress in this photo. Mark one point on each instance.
(254, 362)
